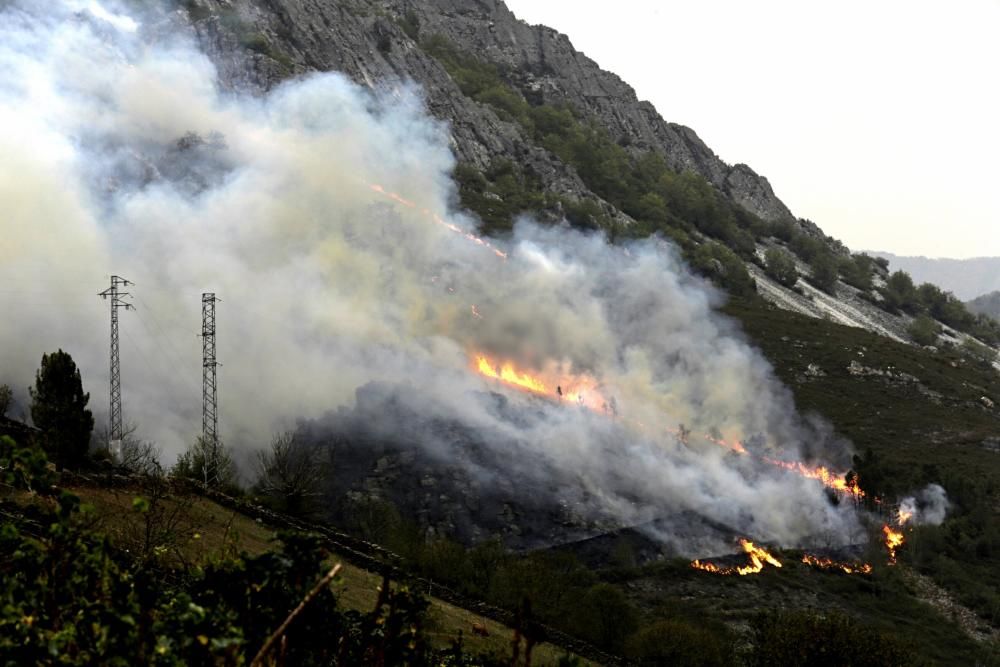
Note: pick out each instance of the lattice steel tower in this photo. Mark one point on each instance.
(209, 388)
(117, 301)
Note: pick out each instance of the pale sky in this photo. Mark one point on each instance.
(879, 121)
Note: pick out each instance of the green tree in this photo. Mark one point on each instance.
(606, 617)
(857, 271)
(59, 409)
(900, 293)
(780, 266)
(824, 272)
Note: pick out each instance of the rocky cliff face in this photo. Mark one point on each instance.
(258, 43)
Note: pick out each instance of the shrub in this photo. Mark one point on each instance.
(676, 642)
(924, 330)
(824, 272)
(900, 293)
(721, 264)
(797, 639)
(857, 271)
(779, 265)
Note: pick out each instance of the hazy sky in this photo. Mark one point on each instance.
(877, 120)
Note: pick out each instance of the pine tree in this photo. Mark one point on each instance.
(59, 409)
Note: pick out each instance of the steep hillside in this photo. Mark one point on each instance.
(538, 127)
(967, 278)
(378, 43)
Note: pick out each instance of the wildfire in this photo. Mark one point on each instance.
(575, 389)
(758, 558)
(375, 187)
(830, 564)
(903, 516)
(507, 373)
(582, 391)
(893, 540)
(830, 479)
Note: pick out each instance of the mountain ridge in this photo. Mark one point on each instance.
(967, 278)
(259, 43)
(521, 104)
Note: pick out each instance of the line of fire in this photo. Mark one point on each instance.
(583, 391)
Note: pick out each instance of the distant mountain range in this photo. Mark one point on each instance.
(987, 304)
(966, 278)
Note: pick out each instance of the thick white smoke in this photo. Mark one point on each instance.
(928, 506)
(120, 154)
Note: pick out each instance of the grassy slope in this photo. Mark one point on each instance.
(897, 420)
(927, 431)
(210, 531)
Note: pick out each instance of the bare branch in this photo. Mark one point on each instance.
(283, 628)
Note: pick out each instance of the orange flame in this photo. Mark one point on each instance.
(758, 558)
(830, 479)
(893, 540)
(507, 373)
(375, 187)
(903, 516)
(830, 564)
(574, 389)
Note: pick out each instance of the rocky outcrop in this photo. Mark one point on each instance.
(258, 43)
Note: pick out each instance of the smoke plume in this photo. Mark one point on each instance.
(122, 154)
(928, 506)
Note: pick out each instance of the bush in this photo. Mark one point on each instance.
(721, 264)
(794, 639)
(857, 271)
(779, 265)
(824, 272)
(900, 294)
(212, 466)
(676, 642)
(410, 23)
(605, 617)
(924, 330)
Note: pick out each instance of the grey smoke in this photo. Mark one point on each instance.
(927, 506)
(121, 154)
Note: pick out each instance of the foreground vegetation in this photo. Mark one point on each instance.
(152, 573)
(73, 594)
